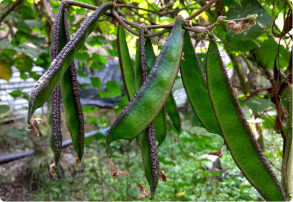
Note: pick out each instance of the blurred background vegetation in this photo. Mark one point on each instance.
(191, 173)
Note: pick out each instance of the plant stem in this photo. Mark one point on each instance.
(289, 4)
(287, 162)
(201, 10)
(124, 22)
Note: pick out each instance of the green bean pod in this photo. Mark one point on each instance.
(150, 157)
(173, 113)
(150, 98)
(194, 82)
(45, 86)
(236, 132)
(125, 64)
(55, 113)
(160, 121)
(71, 101)
(140, 67)
(54, 120)
(147, 139)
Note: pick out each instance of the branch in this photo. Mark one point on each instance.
(10, 9)
(289, 4)
(124, 22)
(201, 10)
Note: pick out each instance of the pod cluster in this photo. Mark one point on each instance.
(148, 86)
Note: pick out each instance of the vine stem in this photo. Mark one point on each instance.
(287, 162)
(126, 23)
(289, 4)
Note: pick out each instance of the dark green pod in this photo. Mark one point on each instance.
(150, 157)
(173, 113)
(140, 67)
(55, 113)
(147, 139)
(54, 120)
(45, 86)
(160, 123)
(71, 101)
(150, 98)
(196, 88)
(236, 131)
(125, 63)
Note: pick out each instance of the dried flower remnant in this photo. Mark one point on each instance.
(116, 173)
(34, 123)
(53, 170)
(114, 22)
(77, 161)
(217, 153)
(240, 27)
(162, 176)
(144, 191)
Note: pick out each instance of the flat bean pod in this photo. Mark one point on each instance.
(125, 64)
(236, 131)
(71, 101)
(196, 88)
(150, 98)
(54, 120)
(45, 86)
(147, 139)
(173, 113)
(55, 113)
(150, 157)
(160, 121)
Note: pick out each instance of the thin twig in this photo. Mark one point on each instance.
(125, 23)
(201, 10)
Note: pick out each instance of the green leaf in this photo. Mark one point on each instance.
(238, 1)
(112, 90)
(35, 23)
(5, 71)
(15, 133)
(242, 46)
(4, 109)
(4, 45)
(268, 52)
(22, 26)
(257, 104)
(15, 93)
(30, 50)
(82, 56)
(81, 73)
(96, 82)
(99, 61)
(23, 63)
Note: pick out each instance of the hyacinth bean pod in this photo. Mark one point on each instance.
(125, 64)
(195, 86)
(173, 113)
(45, 86)
(147, 138)
(71, 101)
(160, 121)
(150, 98)
(55, 112)
(236, 132)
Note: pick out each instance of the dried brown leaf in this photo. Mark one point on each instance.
(217, 153)
(53, 170)
(116, 173)
(162, 176)
(34, 123)
(144, 191)
(77, 161)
